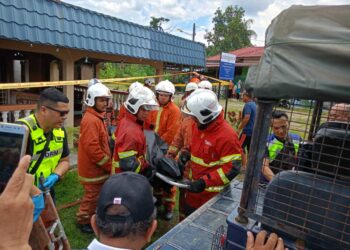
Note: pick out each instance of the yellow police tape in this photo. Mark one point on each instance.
(117, 81)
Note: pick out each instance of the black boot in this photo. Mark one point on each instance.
(86, 228)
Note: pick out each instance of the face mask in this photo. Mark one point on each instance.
(39, 205)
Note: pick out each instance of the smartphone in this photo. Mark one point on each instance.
(13, 145)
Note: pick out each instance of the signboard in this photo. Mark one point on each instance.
(227, 66)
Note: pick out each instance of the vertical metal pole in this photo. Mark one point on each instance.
(194, 32)
(316, 119)
(256, 156)
(226, 102)
(219, 89)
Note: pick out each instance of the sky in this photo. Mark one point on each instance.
(183, 13)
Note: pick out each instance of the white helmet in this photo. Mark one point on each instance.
(205, 85)
(138, 97)
(93, 81)
(97, 90)
(166, 87)
(149, 81)
(191, 86)
(202, 104)
(134, 85)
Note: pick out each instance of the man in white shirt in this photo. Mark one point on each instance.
(125, 215)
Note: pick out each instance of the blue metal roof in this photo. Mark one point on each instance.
(65, 25)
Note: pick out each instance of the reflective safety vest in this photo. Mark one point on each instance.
(283, 155)
(53, 153)
(275, 146)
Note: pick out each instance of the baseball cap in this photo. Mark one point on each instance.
(129, 189)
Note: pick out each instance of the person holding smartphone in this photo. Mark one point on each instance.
(47, 142)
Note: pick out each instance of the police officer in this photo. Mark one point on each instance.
(47, 142)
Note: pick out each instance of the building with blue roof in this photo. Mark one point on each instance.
(47, 40)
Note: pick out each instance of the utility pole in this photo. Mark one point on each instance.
(194, 31)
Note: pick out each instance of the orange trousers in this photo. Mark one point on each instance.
(89, 202)
(167, 197)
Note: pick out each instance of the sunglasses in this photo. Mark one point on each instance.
(62, 113)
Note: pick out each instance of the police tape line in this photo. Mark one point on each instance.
(117, 81)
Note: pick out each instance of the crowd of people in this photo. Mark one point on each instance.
(118, 184)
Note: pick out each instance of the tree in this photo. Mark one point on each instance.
(156, 22)
(231, 31)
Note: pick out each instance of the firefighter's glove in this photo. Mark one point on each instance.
(197, 186)
(149, 172)
(184, 157)
(39, 205)
(51, 181)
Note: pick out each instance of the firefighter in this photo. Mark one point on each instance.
(47, 142)
(94, 156)
(166, 123)
(122, 110)
(190, 87)
(181, 142)
(215, 151)
(130, 142)
(205, 85)
(149, 82)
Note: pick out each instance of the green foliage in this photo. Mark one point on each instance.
(156, 22)
(116, 70)
(231, 31)
(69, 190)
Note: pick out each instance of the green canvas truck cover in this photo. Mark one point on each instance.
(307, 55)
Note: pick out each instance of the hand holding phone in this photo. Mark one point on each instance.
(13, 145)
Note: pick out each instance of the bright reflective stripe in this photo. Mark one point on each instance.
(275, 146)
(139, 167)
(223, 160)
(95, 179)
(215, 189)
(158, 119)
(223, 176)
(103, 161)
(126, 154)
(115, 164)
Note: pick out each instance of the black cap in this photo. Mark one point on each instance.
(130, 190)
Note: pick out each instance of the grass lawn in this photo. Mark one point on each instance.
(69, 190)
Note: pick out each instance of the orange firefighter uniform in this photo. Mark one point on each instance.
(166, 123)
(183, 136)
(215, 158)
(130, 141)
(181, 143)
(121, 114)
(94, 161)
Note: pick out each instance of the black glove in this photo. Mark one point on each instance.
(197, 186)
(184, 157)
(149, 173)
